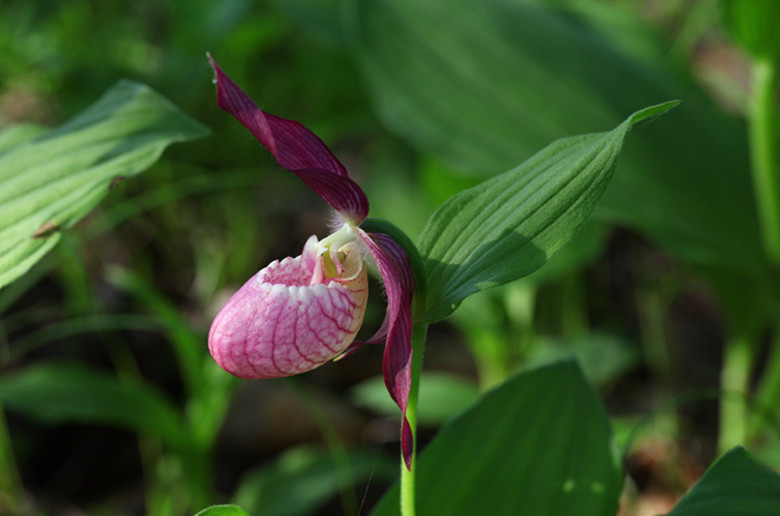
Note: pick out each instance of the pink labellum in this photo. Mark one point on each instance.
(292, 316)
(295, 148)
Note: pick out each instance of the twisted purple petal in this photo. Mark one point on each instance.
(296, 149)
(393, 265)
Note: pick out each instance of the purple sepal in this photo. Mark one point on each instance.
(378, 338)
(296, 149)
(393, 265)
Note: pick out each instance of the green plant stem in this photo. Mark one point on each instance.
(653, 303)
(205, 413)
(419, 332)
(10, 485)
(492, 356)
(766, 175)
(768, 394)
(335, 444)
(158, 493)
(738, 357)
(574, 320)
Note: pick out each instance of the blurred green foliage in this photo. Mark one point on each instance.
(203, 220)
(134, 285)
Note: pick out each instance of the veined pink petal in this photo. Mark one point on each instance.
(295, 148)
(393, 265)
(288, 320)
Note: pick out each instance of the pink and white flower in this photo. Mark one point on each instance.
(298, 313)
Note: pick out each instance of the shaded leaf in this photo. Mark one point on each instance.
(583, 249)
(734, 485)
(66, 393)
(508, 226)
(49, 182)
(538, 444)
(485, 85)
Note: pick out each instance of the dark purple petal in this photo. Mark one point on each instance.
(296, 149)
(393, 265)
(378, 338)
(343, 194)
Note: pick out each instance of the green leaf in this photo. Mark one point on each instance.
(442, 396)
(508, 226)
(65, 393)
(483, 86)
(734, 485)
(304, 478)
(223, 510)
(50, 182)
(17, 134)
(538, 444)
(583, 249)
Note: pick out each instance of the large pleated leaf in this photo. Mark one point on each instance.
(734, 485)
(49, 182)
(72, 393)
(508, 226)
(484, 85)
(538, 444)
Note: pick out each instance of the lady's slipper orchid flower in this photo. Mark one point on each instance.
(298, 313)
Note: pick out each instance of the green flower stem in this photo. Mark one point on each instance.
(738, 359)
(419, 332)
(763, 153)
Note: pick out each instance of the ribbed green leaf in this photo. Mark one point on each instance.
(49, 182)
(735, 485)
(66, 393)
(508, 226)
(539, 444)
(17, 134)
(484, 85)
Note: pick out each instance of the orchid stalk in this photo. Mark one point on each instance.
(299, 313)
